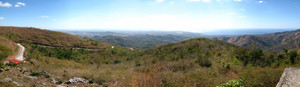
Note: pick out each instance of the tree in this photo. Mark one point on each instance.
(293, 54)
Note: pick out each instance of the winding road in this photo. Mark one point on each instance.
(20, 55)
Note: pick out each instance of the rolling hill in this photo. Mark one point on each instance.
(274, 42)
(140, 41)
(48, 38)
(206, 63)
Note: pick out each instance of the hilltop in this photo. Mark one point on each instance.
(48, 38)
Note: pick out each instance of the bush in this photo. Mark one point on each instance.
(35, 74)
(59, 82)
(293, 54)
(117, 61)
(203, 61)
(11, 64)
(233, 83)
(91, 81)
(46, 75)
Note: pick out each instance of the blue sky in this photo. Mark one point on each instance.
(183, 15)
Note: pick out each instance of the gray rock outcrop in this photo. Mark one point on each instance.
(290, 78)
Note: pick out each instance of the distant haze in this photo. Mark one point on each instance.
(157, 32)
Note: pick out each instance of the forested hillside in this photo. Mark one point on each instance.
(140, 41)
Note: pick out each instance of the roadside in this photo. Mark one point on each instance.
(19, 57)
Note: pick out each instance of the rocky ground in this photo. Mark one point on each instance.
(14, 75)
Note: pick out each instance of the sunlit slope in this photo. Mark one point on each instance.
(193, 48)
(205, 63)
(7, 48)
(274, 42)
(48, 38)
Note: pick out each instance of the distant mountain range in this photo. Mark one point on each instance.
(273, 42)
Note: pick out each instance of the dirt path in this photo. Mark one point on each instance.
(20, 55)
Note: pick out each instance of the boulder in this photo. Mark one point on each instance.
(75, 80)
(290, 78)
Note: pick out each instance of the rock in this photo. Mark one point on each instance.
(54, 81)
(7, 79)
(17, 83)
(24, 68)
(31, 77)
(6, 62)
(290, 78)
(60, 86)
(44, 84)
(75, 80)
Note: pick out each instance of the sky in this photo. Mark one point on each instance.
(149, 15)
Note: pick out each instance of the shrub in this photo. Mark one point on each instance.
(233, 83)
(116, 61)
(46, 75)
(203, 61)
(91, 81)
(35, 74)
(59, 82)
(11, 64)
(293, 54)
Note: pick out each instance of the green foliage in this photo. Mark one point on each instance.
(11, 64)
(261, 77)
(46, 75)
(233, 83)
(91, 81)
(93, 56)
(117, 61)
(59, 82)
(35, 74)
(203, 61)
(251, 56)
(293, 54)
(4, 52)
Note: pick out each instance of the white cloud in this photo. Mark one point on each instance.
(237, 0)
(44, 16)
(199, 0)
(260, 1)
(5, 4)
(2, 18)
(159, 1)
(19, 4)
(193, 0)
(242, 16)
(206, 0)
(172, 2)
